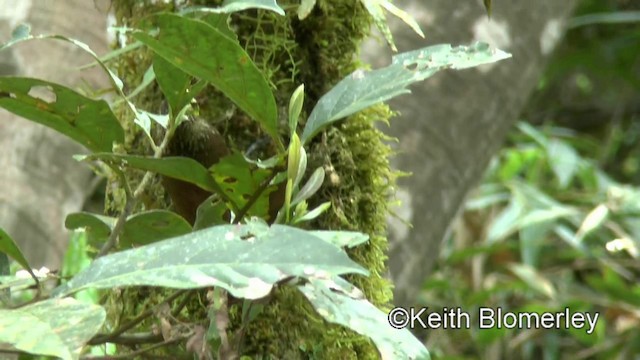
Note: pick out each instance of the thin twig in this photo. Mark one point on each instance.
(183, 303)
(254, 197)
(129, 204)
(136, 339)
(132, 199)
(135, 353)
(103, 338)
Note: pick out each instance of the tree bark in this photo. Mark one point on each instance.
(452, 124)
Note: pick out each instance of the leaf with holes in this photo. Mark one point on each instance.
(21, 34)
(240, 181)
(186, 43)
(87, 121)
(211, 212)
(362, 89)
(246, 260)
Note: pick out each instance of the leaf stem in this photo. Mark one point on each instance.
(133, 354)
(103, 338)
(131, 199)
(254, 197)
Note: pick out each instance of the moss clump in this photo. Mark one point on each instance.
(317, 51)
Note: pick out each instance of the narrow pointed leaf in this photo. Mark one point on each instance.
(8, 246)
(231, 6)
(246, 260)
(310, 187)
(564, 161)
(487, 6)
(313, 213)
(534, 279)
(362, 89)
(186, 43)
(55, 327)
(380, 20)
(592, 221)
(305, 8)
(402, 15)
(348, 239)
(87, 121)
(295, 107)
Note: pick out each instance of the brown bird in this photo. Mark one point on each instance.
(200, 141)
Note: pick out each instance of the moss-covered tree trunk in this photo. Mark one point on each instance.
(317, 51)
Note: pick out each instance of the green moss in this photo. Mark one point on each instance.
(318, 51)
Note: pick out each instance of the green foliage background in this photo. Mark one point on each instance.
(555, 223)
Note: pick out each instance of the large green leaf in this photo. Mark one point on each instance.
(187, 44)
(97, 227)
(152, 226)
(139, 229)
(55, 327)
(8, 246)
(22, 34)
(338, 302)
(176, 85)
(87, 121)
(246, 260)
(362, 89)
(180, 168)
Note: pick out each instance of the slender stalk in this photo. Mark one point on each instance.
(132, 198)
(103, 338)
(254, 197)
(132, 355)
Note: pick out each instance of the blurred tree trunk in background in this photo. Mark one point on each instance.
(40, 182)
(452, 124)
